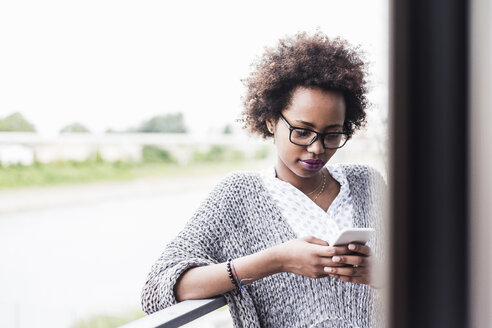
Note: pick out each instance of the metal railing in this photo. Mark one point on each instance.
(179, 314)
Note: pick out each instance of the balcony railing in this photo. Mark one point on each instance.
(179, 314)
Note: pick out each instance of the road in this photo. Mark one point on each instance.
(73, 251)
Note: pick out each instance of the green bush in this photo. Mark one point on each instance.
(75, 128)
(154, 154)
(218, 153)
(214, 154)
(169, 123)
(262, 153)
(237, 156)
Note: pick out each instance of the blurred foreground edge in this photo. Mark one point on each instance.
(429, 105)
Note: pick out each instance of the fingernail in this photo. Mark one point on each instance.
(336, 258)
(351, 247)
(327, 269)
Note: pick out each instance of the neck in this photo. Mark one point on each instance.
(304, 184)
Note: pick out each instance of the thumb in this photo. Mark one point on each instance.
(314, 240)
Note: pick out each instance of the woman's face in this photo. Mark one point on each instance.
(315, 109)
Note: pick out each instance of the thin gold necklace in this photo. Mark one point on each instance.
(322, 187)
(320, 183)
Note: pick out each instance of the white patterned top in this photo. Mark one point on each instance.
(304, 216)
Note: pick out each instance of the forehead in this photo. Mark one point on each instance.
(317, 106)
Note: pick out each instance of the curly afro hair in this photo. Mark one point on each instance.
(307, 61)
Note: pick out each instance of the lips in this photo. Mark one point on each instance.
(313, 161)
(312, 164)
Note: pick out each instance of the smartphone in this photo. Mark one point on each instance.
(353, 235)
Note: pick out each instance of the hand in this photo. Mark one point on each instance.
(358, 268)
(308, 256)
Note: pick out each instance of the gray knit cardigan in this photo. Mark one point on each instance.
(238, 218)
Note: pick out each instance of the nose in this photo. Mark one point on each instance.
(316, 147)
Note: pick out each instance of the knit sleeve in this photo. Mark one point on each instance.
(374, 192)
(196, 245)
(378, 198)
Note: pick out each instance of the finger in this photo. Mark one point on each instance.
(333, 250)
(320, 274)
(347, 271)
(314, 240)
(351, 259)
(359, 248)
(328, 262)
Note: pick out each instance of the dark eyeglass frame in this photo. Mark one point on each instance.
(318, 135)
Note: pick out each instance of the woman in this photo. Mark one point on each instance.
(260, 237)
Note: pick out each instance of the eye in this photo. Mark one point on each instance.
(301, 133)
(333, 136)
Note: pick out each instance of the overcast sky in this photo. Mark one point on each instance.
(114, 63)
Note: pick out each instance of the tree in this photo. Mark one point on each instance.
(75, 128)
(16, 122)
(170, 123)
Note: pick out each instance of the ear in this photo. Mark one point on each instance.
(270, 123)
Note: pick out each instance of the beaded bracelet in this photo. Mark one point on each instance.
(235, 280)
(229, 272)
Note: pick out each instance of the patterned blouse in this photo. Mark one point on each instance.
(304, 216)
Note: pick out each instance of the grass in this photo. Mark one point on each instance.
(156, 161)
(108, 321)
(18, 176)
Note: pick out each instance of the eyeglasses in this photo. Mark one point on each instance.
(306, 137)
